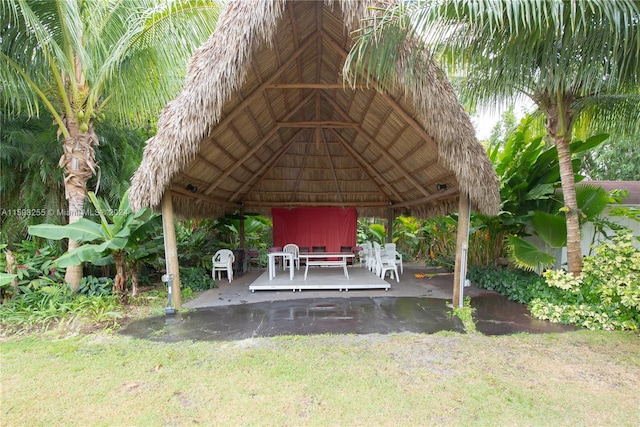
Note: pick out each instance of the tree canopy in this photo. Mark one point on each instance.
(570, 57)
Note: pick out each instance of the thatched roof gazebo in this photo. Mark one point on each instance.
(265, 120)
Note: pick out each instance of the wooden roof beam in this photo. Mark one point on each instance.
(266, 167)
(393, 161)
(183, 192)
(320, 86)
(251, 152)
(366, 168)
(392, 102)
(333, 170)
(296, 186)
(430, 199)
(294, 35)
(258, 91)
(318, 124)
(319, 24)
(385, 154)
(250, 204)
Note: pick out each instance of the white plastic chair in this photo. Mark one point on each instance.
(223, 261)
(377, 252)
(369, 257)
(295, 250)
(384, 264)
(390, 251)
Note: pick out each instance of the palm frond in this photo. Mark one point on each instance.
(526, 256)
(508, 48)
(141, 51)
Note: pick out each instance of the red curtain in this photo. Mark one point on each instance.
(309, 227)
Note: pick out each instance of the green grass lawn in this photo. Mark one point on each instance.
(577, 378)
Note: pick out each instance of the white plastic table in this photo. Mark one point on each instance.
(320, 259)
(272, 263)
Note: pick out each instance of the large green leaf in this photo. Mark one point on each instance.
(123, 229)
(591, 142)
(6, 279)
(542, 191)
(107, 260)
(101, 209)
(118, 243)
(592, 200)
(82, 230)
(550, 228)
(80, 255)
(526, 256)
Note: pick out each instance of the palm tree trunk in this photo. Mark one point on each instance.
(559, 122)
(79, 164)
(574, 249)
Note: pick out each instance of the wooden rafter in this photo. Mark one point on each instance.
(392, 102)
(258, 91)
(294, 36)
(451, 192)
(333, 171)
(385, 154)
(319, 48)
(250, 153)
(266, 167)
(296, 186)
(254, 204)
(321, 86)
(318, 124)
(183, 192)
(366, 167)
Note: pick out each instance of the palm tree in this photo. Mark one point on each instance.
(30, 178)
(83, 58)
(570, 57)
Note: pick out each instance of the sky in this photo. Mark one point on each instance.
(485, 120)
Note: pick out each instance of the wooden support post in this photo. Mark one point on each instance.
(390, 218)
(241, 231)
(171, 249)
(462, 247)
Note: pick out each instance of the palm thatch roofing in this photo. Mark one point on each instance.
(265, 120)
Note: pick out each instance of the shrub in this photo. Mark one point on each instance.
(606, 295)
(196, 278)
(517, 285)
(33, 261)
(95, 286)
(45, 301)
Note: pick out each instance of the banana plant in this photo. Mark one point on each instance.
(529, 174)
(551, 228)
(116, 239)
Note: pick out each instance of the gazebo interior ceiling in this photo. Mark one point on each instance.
(294, 135)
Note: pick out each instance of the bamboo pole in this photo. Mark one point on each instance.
(462, 245)
(171, 249)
